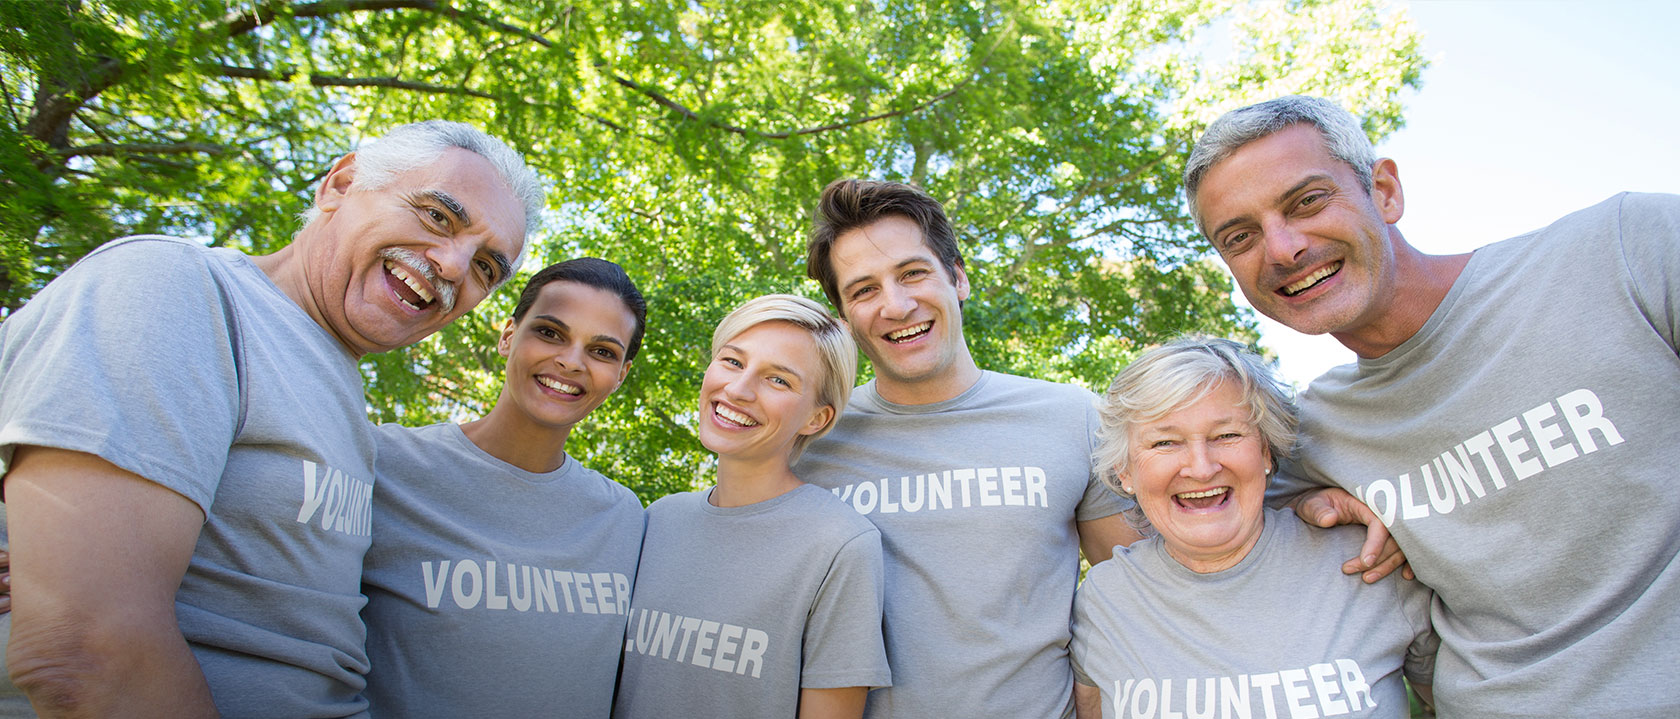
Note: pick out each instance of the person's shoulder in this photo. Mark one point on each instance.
(1300, 543)
(823, 509)
(617, 494)
(1040, 390)
(156, 261)
(1122, 568)
(677, 503)
(151, 253)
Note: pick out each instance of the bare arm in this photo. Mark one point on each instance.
(99, 553)
(1097, 537)
(1379, 556)
(1087, 701)
(842, 703)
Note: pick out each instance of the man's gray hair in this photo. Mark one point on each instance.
(1343, 138)
(1176, 375)
(407, 147)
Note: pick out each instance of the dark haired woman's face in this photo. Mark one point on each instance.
(567, 354)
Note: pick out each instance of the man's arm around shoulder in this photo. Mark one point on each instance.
(97, 556)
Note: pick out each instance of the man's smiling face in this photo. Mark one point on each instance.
(1308, 245)
(903, 305)
(394, 264)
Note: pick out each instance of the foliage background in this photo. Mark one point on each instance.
(686, 141)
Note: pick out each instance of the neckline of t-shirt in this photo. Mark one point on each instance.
(767, 505)
(242, 262)
(459, 436)
(1437, 319)
(1268, 530)
(973, 390)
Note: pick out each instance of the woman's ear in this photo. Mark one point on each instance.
(819, 420)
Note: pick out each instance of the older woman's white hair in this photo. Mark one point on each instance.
(1179, 374)
(834, 345)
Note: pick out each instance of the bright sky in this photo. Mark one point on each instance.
(1528, 111)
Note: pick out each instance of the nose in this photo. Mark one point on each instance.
(1199, 462)
(896, 302)
(453, 259)
(569, 357)
(741, 387)
(1284, 243)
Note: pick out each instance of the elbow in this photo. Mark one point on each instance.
(56, 668)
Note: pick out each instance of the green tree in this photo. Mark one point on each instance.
(687, 141)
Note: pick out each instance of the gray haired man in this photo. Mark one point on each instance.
(1510, 418)
(186, 455)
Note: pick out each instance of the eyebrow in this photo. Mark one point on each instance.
(779, 367)
(597, 338)
(1282, 196)
(922, 259)
(504, 264)
(449, 203)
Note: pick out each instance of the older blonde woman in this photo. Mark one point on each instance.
(760, 597)
(1229, 608)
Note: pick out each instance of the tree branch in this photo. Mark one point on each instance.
(106, 149)
(235, 24)
(319, 80)
(674, 106)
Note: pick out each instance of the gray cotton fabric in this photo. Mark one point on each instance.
(976, 499)
(1282, 634)
(493, 591)
(1522, 449)
(738, 608)
(188, 367)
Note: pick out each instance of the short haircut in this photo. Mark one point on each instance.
(590, 272)
(1343, 138)
(407, 147)
(834, 345)
(847, 205)
(1176, 375)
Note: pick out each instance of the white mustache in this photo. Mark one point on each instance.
(445, 289)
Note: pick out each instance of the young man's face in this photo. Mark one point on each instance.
(390, 266)
(903, 305)
(1307, 244)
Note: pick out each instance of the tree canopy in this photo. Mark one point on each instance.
(687, 141)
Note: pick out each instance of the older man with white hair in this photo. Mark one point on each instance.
(186, 454)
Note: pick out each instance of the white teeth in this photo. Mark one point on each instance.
(906, 332)
(559, 386)
(401, 273)
(734, 416)
(1205, 493)
(1309, 280)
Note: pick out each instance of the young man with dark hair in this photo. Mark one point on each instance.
(980, 482)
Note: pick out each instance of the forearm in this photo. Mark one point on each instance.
(71, 667)
(842, 703)
(97, 555)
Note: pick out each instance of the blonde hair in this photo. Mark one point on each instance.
(834, 345)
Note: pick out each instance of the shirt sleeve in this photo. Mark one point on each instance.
(1099, 501)
(1415, 603)
(129, 356)
(1649, 233)
(844, 646)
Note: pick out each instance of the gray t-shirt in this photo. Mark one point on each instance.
(188, 367)
(976, 499)
(738, 608)
(1522, 449)
(1282, 634)
(493, 591)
